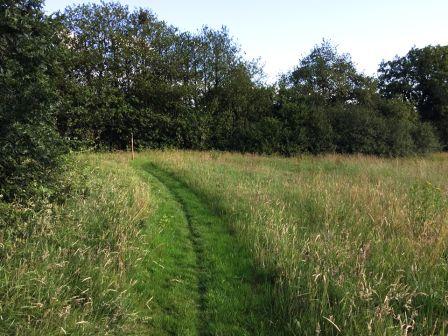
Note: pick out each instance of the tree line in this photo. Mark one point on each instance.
(92, 75)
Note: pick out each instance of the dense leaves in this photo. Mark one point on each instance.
(421, 77)
(326, 105)
(29, 143)
(330, 76)
(131, 73)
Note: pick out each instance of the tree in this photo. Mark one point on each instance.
(29, 144)
(99, 64)
(127, 72)
(421, 78)
(330, 77)
(326, 105)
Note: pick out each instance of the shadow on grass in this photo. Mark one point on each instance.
(235, 298)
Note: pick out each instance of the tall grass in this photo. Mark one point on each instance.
(356, 245)
(353, 245)
(65, 264)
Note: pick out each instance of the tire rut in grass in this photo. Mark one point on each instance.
(198, 247)
(233, 296)
(196, 242)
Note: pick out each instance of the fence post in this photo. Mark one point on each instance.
(132, 146)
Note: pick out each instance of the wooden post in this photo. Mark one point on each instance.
(132, 146)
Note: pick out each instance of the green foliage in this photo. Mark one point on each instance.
(308, 129)
(390, 127)
(29, 143)
(330, 76)
(363, 134)
(326, 105)
(420, 78)
(425, 138)
(130, 73)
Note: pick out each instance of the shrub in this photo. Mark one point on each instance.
(29, 144)
(425, 138)
(358, 129)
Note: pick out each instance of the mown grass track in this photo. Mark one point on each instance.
(230, 296)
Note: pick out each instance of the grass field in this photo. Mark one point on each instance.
(210, 243)
(355, 244)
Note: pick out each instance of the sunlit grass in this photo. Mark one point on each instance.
(357, 244)
(65, 265)
(346, 245)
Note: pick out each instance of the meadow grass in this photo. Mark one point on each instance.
(126, 250)
(356, 245)
(65, 264)
(212, 243)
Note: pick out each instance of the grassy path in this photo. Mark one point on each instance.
(203, 281)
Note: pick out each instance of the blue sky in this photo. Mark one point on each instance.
(280, 32)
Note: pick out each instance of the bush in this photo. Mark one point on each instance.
(389, 128)
(267, 136)
(29, 144)
(307, 129)
(30, 159)
(425, 138)
(358, 129)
